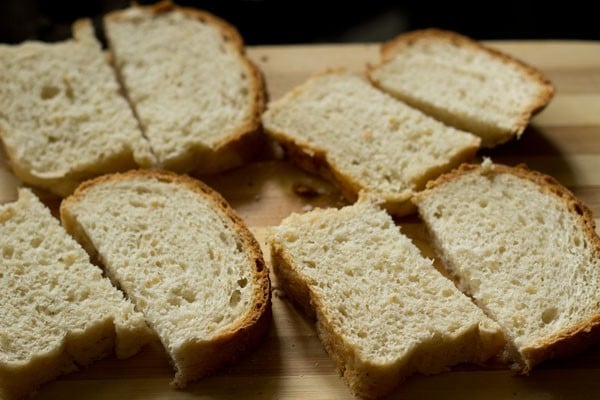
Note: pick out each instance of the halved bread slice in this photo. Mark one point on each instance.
(183, 257)
(525, 249)
(58, 312)
(382, 310)
(338, 125)
(62, 118)
(462, 83)
(196, 94)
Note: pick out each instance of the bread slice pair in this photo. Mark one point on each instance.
(338, 125)
(183, 257)
(58, 312)
(462, 83)
(525, 249)
(184, 75)
(382, 310)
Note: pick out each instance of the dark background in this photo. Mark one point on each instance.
(288, 22)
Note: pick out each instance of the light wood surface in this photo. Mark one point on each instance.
(563, 141)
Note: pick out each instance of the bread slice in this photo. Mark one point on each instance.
(58, 311)
(183, 257)
(197, 96)
(462, 83)
(338, 125)
(382, 310)
(525, 249)
(62, 119)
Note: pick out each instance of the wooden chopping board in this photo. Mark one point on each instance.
(563, 141)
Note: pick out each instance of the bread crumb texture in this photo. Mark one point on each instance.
(57, 310)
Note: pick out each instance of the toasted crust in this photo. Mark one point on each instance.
(244, 143)
(573, 339)
(392, 47)
(201, 358)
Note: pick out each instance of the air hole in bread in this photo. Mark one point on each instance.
(35, 242)
(49, 92)
(549, 315)
(242, 282)
(235, 298)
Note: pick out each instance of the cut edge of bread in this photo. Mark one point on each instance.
(243, 144)
(389, 49)
(196, 358)
(566, 341)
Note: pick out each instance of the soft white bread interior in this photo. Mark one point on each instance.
(183, 257)
(196, 94)
(338, 125)
(58, 312)
(382, 310)
(525, 249)
(62, 118)
(462, 83)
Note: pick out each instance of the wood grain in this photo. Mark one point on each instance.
(563, 141)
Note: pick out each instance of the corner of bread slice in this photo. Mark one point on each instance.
(198, 274)
(59, 312)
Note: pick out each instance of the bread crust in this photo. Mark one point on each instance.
(573, 339)
(244, 143)
(201, 358)
(394, 46)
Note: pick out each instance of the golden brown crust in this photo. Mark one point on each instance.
(244, 143)
(392, 47)
(240, 338)
(575, 338)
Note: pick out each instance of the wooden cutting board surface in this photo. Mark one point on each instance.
(563, 141)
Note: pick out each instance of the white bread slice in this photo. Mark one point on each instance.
(338, 125)
(183, 257)
(382, 310)
(462, 83)
(62, 118)
(57, 310)
(196, 94)
(525, 249)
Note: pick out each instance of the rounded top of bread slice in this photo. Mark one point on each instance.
(526, 250)
(462, 83)
(183, 257)
(190, 82)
